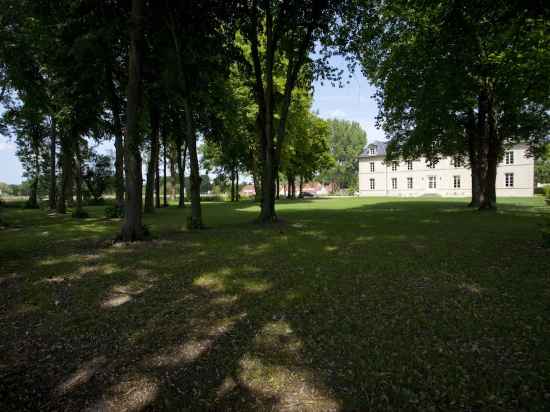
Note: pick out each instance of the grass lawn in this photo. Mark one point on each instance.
(350, 304)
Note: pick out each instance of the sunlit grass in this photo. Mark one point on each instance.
(349, 304)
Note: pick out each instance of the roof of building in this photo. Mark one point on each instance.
(379, 149)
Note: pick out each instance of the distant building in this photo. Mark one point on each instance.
(315, 188)
(247, 190)
(448, 177)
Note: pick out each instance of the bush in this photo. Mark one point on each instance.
(546, 190)
(114, 212)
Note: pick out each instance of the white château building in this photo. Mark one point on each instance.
(448, 177)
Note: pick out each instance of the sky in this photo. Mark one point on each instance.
(352, 102)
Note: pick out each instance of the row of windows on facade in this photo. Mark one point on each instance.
(457, 162)
(432, 182)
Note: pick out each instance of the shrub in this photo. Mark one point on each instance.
(114, 212)
(546, 190)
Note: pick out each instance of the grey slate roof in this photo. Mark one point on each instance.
(380, 149)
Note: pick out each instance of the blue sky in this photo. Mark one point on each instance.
(352, 102)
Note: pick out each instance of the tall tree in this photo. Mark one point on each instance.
(289, 29)
(153, 165)
(347, 140)
(201, 35)
(463, 77)
(132, 228)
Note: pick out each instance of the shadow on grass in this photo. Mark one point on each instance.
(390, 305)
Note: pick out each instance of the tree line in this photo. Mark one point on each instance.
(464, 78)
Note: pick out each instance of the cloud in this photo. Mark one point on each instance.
(7, 147)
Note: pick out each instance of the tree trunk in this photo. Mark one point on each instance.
(52, 193)
(132, 228)
(181, 173)
(66, 174)
(157, 182)
(257, 188)
(491, 149)
(267, 214)
(165, 194)
(70, 183)
(288, 193)
(472, 138)
(32, 203)
(195, 220)
(301, 186)
(278, 195)
(119, 145)
(233, 185)
(173, 176)
(119, 166)
(79, 209)
(152, 167)
(476, 185)
(237, 193)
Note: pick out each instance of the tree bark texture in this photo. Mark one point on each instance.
(132, 228)
(152, 166)
(52, 193)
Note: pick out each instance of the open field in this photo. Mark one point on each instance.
(350, 304)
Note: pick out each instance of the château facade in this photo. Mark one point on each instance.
(448, 177)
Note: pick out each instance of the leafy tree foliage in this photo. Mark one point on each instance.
(98, 175)
(276, 31)
(464, 77)
(347, 140)
(306, 152)
(542, 166)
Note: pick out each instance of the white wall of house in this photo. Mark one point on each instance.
(445, 179)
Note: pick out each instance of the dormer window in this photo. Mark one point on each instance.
(372, 150)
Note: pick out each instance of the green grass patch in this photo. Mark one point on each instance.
(349, 304)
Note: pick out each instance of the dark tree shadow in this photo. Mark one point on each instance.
(389, 306)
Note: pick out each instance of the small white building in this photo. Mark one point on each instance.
(447, 177)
